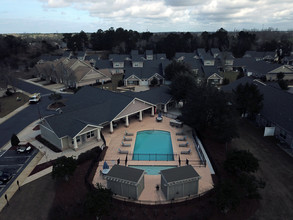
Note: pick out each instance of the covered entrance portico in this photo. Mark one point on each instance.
(88, 133)
(136, 106)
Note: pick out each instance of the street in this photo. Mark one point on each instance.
(30, 114)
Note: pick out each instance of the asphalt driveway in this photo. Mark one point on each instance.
(30, 114)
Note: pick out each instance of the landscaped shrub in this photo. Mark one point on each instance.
(8, 92)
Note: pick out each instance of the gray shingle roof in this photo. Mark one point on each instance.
(204, 55)
(103, 64)
(88, 106)
(125, 173)
(158, 95)
(277, 106)
(209, 70)
(179, 173)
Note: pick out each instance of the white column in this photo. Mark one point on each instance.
(99, 134)
(153, 111)
(165, 108)
(75, 143)
(111, 127)
(126, 121)
(140, 116)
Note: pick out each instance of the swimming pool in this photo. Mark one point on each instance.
(153, 145)
(152, 170)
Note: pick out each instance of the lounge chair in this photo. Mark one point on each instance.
(128, 134)
(181, 139)
(125, 145)
(127, 139)
(186, 151)
(122, 151)
(180, 133)
(183, 145)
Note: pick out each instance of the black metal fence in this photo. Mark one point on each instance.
(153, 157)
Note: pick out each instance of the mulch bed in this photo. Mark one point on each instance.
(41, 167)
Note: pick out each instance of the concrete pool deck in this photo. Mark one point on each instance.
(150, 193)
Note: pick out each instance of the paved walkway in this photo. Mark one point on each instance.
(150, 194)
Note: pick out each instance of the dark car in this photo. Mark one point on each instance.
(24, 149)
(5, 176)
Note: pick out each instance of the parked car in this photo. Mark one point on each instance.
(23, 149)
(34, 98)
(5, 176)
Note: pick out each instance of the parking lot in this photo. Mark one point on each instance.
(14, 163)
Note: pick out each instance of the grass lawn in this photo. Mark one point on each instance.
(231, 75)
(9, 103)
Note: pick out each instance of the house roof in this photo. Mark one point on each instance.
(118, 57)
(143, 73)
(149, 52)
(233, 85)
(185, 56)
(277, 106)
(103, 64)
(125, 173)
(88, 106)
(137, 58)
(157, 95)
(209, 70)
(179, 174)
(286, 69)
(215, 51)
(160, 56)
(204, 55)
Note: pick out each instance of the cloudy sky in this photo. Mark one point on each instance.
(51, 16)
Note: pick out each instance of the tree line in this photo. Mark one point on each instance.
(123, 41)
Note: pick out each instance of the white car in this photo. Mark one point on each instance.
(34, 98)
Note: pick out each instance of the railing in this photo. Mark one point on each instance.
(154, 157)
(198, 149)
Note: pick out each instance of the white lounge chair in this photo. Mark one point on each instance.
(181, 139)
(125, 145)
(183, 145)
(127, 139)
(122, 151)
(180, 133)
(128, 134)
(186, 151)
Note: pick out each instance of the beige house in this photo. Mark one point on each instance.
(70, 72)
(286, 69)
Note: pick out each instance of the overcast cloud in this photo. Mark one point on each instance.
(143, 15)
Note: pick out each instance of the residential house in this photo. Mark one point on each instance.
(212, 75)
(287, 70)
(206, 57)
(276, 111)
(149, 55)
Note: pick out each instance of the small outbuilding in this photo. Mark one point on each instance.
(125, 181)
(179, 182)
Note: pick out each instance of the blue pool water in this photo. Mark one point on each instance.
(153, 145)
(152, 170)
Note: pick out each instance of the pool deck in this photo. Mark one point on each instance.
(151, 181)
